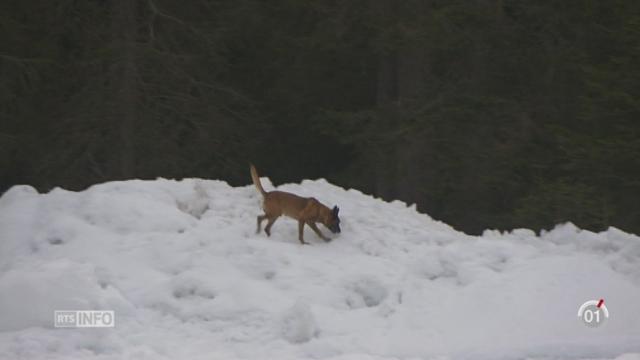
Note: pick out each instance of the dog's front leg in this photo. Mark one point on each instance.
(314, 227)
(301, 232)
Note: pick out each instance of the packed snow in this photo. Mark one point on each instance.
(181, 266)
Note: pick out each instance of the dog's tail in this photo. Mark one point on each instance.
(256, 179)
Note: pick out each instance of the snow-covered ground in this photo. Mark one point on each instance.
(180, 264)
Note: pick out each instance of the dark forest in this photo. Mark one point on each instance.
(484, 113)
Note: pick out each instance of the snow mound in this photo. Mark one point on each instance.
(298, 323)
(188, 278)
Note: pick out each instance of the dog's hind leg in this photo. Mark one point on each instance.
(267, 228)
(260, 219)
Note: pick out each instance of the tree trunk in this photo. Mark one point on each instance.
(386, 98)
(387, 91)
(126, 92)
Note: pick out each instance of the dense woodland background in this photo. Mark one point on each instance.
(486, 113)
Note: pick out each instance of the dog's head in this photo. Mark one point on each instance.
(332, 222)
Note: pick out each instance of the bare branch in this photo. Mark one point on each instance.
(156, 11)
(23, 61)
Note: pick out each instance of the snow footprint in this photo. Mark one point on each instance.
(365, 292)
(189, 288)
(434, 268)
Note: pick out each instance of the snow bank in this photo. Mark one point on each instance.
(181, 266)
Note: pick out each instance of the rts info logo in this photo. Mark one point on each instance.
(84, 318)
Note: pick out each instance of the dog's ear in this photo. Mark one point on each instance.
(335, 211)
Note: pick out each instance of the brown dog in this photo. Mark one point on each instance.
(306, 210)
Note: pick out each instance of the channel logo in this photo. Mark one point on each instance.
(84, 318)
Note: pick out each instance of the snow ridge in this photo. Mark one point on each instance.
(180, 264)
